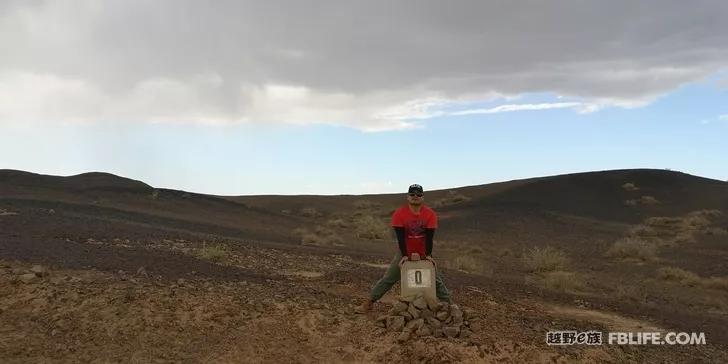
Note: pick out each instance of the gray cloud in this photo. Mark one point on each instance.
(341, 62)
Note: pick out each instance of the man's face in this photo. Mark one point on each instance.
(415, 198)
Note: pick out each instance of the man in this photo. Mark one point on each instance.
(414, 224)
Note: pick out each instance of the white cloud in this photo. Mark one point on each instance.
(367, 65)
(723, 117)
(520, 107)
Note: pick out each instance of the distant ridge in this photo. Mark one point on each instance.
(79, 182)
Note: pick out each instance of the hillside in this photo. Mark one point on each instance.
(129, 272)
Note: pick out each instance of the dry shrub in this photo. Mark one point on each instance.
(310, 212)
(678, 275)
(716, 283)
(505, 252)
(678, 230)
(664, 222)
(476, 250)
(467, 263)
(683, 237)
(214, 252)
(691, 279)
(545, 259)
(563, 281)
(715, 231)
(339, 223)
(706, 213)
(633, 248)
(320, 236)
(451, 244)
(629, 186)
(642, 230)
(649, 200)
(451, 198)
(631, 293)
(696, 222)
(371, 227)
(366, 205)
(714, 301)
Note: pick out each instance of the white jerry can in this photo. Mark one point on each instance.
(418, 276)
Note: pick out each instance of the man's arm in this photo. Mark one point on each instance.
(429, 239)
(399, 231)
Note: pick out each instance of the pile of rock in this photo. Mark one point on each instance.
(415, 316)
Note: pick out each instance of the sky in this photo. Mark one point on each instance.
(344, 97)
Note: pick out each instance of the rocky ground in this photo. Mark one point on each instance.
(298, 308)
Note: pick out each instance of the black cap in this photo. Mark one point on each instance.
(415, 188)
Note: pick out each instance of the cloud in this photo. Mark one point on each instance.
(723, 117)
(369, 65)
(520, 107)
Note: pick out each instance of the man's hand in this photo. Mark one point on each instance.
(404, 259)
(431, 260)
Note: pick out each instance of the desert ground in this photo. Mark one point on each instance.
(104, 269)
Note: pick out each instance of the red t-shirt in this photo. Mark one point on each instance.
(414, 227)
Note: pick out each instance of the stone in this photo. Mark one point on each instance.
(468, 313)
(457, 319)
(465, 333)
(414, 312)
(426, 313)
(432, 303)
(28, 278)
(181, 281)
(455, 311)
(397, 308)
(442, 315)
(450, 331)
(403, 336)
(434, 323)
(475, 326)
(381, 318)
(423, 331)
(39, 270)
(141, 271)
(437, 332)
(415, 324)
(407, 316)
(395, 323)
(420, 303)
